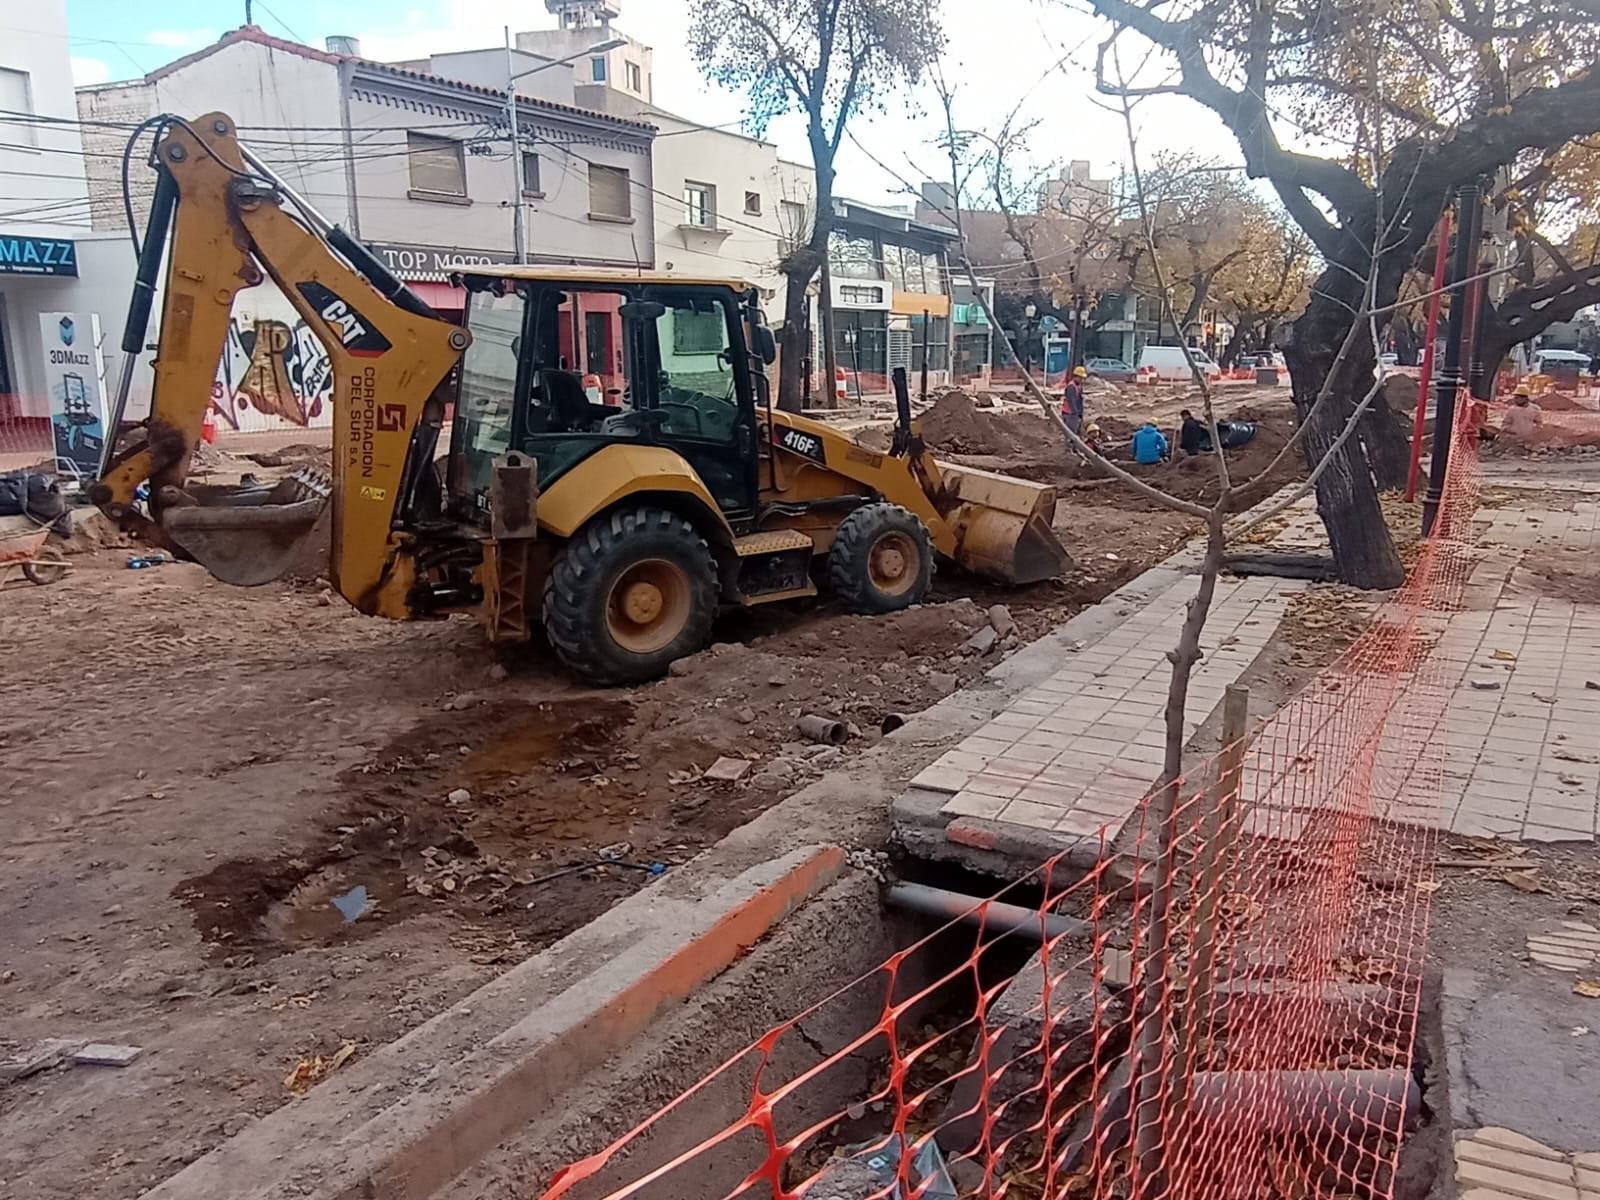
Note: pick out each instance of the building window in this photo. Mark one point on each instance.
(608, 193)
(16, 96)
(438, 165)
(854, 257)
(635, 78)
(530, 175)
(698, 332)
(597, 70)
(752, 204)
(792, 219)
(700, 205)
(863, 294)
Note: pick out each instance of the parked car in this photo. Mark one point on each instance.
(1171, 365)
(1110, 368)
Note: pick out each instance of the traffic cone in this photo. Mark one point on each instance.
(208, 426)
(841, 387)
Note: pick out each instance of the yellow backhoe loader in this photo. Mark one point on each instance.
(615, 470)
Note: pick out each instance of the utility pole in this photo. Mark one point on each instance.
(1469, 228)
(249, 12)
(518, 239)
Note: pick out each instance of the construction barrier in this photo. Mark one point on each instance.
(1260, 1040)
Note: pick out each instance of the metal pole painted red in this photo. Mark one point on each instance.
(1427, 356)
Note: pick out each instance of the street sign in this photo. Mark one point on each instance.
(38, 256)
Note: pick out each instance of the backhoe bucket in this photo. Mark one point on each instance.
(1002, 525)
(247, 536)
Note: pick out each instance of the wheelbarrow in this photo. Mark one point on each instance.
(24, 545)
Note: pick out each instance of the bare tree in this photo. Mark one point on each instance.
(1153, 1101)
(1481, 88)
(826, 59)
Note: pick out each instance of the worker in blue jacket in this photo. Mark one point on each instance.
(1149, 444)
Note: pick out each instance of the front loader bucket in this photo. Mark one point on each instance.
(1002, 525)
(247, 536)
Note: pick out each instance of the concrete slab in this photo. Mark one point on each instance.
(1514, 1060)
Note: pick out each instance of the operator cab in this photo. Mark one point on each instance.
(563, 365)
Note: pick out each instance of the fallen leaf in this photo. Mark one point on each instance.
(1587, 987)
(341, 1056)
(1504, 656)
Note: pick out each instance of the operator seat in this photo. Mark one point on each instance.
(569, 406)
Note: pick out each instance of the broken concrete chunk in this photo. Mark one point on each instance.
(726, 770)
(458, 796)
(983, 641)
(39, 1057)
(106, 1054)
(1001, 621)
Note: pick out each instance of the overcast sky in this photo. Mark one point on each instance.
(999, 51)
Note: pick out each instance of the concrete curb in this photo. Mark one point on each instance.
(401, 1124)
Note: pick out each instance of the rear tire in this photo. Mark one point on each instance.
(882, 559)
(634, 590)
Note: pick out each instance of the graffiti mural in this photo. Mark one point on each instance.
(274, 373)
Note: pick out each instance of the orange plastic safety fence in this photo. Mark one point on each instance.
(1258, 1041)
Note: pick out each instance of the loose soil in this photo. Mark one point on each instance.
(198, 772)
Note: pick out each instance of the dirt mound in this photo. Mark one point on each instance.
(1562, 402)
(207, 458)
(1400, 391)
(297, 454)
(956, 425)
(94, 531)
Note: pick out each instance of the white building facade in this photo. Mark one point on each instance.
(413, 163)
(50, 259)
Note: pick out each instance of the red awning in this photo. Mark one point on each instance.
(440, 296)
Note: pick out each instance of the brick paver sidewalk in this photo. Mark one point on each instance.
(1076, 753)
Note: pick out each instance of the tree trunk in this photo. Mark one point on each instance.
(1230, 354)
(1387, 441)
(794, 336)
(1347, 500)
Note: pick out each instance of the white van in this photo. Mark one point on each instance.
(1171, 366)
(1544, 361)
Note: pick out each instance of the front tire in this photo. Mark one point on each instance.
(882, 559)
(633, 591)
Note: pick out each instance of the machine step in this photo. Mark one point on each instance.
(771, 566)
(774, 542)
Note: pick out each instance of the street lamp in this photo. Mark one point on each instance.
(518, 237)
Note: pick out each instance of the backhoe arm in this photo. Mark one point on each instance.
(388, 353)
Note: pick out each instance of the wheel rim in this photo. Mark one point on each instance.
(648, 605)
(892, 565)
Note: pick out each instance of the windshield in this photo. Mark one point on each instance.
(488, 386)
